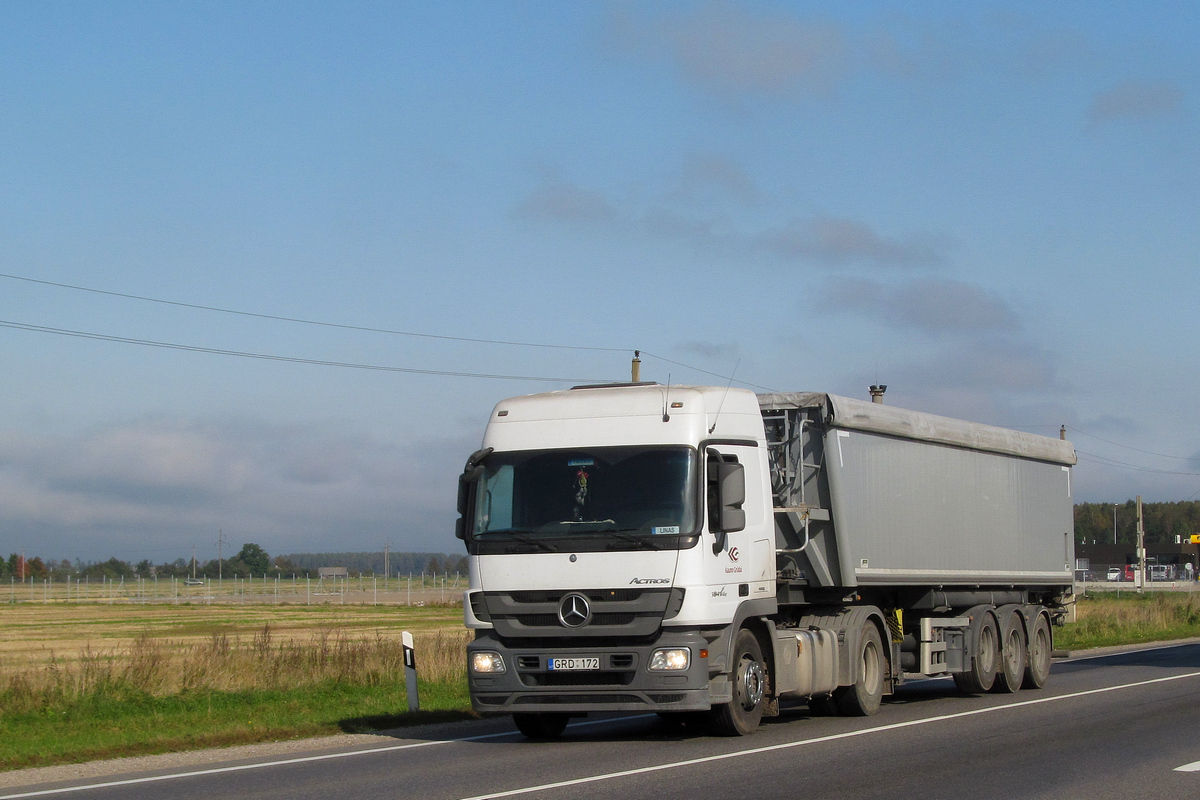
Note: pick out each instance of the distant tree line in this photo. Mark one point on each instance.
(250, 560)
(1162, 522)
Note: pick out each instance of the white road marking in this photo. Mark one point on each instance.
(1192, 767)
(822, 739)
(298, 760)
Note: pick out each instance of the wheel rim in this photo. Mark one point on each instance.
(870, 667)
(987, 649)
(1013, 657)
(752, 683)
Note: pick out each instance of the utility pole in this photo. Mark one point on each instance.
(1141, 547)
(1114, 523)
(193, 562)
(387, 544)
(220, 541)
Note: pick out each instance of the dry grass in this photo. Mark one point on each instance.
(150, 666)
(36, 634)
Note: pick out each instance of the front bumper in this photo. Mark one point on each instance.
(623, 682)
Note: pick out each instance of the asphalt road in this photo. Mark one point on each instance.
(1113, 726)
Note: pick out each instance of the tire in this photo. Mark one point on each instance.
(863, 698)
(823, 706)
(741, 717)
(1041, 648)
(541, 727)
(1011, 672)
(982, 673)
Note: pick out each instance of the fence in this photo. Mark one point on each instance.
(411, 590)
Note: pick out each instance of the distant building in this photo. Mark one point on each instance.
(332, 572)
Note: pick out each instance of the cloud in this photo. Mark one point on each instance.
(933, 306)
(1132, 100)
(730, 50)
(989, 366)
(566, 202)
(819, 240)
(156, 487)
(704, 175)
(836, 242)
(727, 353)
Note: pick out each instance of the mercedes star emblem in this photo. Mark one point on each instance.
(575, 611)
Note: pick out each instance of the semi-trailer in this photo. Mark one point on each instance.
(706, 553)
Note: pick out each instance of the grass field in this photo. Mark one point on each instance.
(86, 681)
(79, 682)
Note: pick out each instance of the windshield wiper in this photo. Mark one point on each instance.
(622, 533)
(549, 548)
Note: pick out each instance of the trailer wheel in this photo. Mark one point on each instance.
(982, 674)
(1012, 658)
(541, 726)
(1041, 647)
(741, 717)
(863, 698)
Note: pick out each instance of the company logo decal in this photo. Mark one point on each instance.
(733, 554)
(645, 581)
(575, 611)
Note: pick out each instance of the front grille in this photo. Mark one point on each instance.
(621, 661)
(630, 613)
(528, 662)
(667, 698)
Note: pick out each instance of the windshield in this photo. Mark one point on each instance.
(644, 491)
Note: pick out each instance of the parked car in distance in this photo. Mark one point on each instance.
(1115, 574)
(1158, 572)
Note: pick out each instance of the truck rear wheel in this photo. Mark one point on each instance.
(1012, 658)
(541, 726)
(863, 698)
(982, 672)
(741, 717)
(1041, 648)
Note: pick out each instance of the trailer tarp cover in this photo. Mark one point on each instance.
(862, 415)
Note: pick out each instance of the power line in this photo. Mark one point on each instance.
(1128, 447)
(1110, 462)
(291, 359)
(301, 321)
(343, 326)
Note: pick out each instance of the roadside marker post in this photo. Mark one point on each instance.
(410, 671)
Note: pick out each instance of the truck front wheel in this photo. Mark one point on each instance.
(741, 717)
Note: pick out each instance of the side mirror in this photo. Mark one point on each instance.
(466, 489)
(732, 479)
(726, 494)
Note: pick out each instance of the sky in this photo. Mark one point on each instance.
(991, 208)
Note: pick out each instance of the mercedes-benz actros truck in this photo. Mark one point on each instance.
(706, 553)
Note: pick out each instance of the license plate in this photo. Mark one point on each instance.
(569, 664)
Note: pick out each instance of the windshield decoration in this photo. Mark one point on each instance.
(580, 493)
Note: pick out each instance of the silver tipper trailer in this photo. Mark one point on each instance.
(694, 550)
(958, 535)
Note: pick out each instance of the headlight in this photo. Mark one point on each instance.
(675, 658)
(487, 661)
